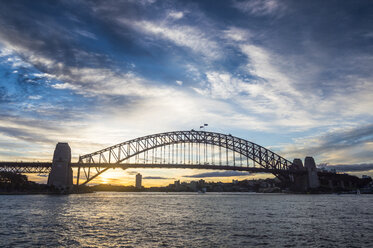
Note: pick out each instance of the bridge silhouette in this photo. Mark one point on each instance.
(178, 149)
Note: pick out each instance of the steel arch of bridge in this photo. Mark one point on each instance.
(117, 156)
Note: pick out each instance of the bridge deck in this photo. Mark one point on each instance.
(44, 167)
(26, 167)
(178, 166)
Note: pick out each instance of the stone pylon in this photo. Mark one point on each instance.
(299, 181)
(313, 178)
(61, 175)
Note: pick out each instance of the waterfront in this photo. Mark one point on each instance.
(186, 220)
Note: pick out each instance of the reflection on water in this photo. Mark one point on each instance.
(186, 220)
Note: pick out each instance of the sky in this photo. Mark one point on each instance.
(293, 76)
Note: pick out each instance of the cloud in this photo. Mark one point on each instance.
(219, 174)
(156, 178)
(181, 35)
(271, 84)
(350, 167)
(36, 97)
(17, 62)
(86, 34)
(97, 81)
(4, 52)
(258, 100)
(260, 86)
(143, 2)
(90, 81)
(43, 42)
(223, 85)
(351, 144)
(176, 15)
(131, 172)
(262, 64)
(24, 134)
(4, 98)
(237, 34)
(260, 7)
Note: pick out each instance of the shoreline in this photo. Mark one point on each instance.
(190, 192)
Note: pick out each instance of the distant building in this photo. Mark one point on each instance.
(177, 184)
(138, 180)
(193, 185)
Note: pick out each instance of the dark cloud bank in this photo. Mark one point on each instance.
(156, 178)
(219, 174)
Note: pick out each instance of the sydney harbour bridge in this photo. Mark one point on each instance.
(178, 149)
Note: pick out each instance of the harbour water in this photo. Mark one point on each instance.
(109, 219)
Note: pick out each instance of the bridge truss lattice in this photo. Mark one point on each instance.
(26, 167)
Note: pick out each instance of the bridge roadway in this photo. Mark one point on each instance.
(45, 167)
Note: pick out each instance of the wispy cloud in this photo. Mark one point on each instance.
(182, 35)
(131, 172)
(342, 145)
(97, 81)
(156, 178)
(86, 34)
(261, 7)
(350, 167)
(176, 14)
(237, 34)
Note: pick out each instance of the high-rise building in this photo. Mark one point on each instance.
(138, 180)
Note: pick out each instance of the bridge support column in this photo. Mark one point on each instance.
(331, 185)
(313, 178)
(61, 175)
(308, 180)
(341, 184)
(299, 182)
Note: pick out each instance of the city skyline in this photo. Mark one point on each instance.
(294, 77)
